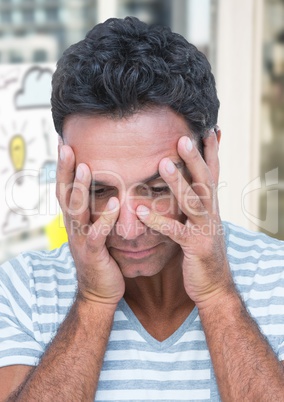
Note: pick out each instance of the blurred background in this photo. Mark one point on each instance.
(244, 42)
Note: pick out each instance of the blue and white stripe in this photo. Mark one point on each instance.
(38, 288)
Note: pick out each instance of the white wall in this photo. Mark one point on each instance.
(238, 83)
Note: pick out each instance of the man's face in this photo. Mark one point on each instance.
(123, 156)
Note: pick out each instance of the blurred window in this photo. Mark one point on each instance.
(151, 11)
(6, 16)
(52, 14)
(20, 32)
(28, 15)
(40, 55)
(15, 57)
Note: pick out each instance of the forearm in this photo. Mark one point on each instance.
(245, 366)
(70, 368)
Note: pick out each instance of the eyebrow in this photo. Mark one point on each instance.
(179, 165)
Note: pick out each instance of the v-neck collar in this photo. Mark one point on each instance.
(135, 323)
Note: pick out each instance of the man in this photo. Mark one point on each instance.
(153, 298)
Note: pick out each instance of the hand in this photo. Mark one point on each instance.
(99, 277)
(205, 267)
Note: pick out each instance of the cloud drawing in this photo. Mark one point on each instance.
(36, 89)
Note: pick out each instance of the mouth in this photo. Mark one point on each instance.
(134, 254)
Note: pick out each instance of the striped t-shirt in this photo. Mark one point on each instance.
(37, 289)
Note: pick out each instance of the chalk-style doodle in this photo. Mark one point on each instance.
(17, 151)
(48, 172)
(46, 134)
(14, 223)
(7, 79)
(3, 130)
(27, 149)
(36, 89)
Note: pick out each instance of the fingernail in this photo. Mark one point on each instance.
(188, 144)
(142, 211)
(170, 167)
(62, 154)
(112, 204)
(79, 173)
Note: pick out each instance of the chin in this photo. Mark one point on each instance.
(147, 262)
(131, 268)
(134, 271)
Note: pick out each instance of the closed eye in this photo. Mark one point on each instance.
(154, 191)
(102, 192)
(160, 190)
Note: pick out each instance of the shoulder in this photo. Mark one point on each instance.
(51, 259)
(243, 243)
(36, 270)
(56, 263)
(256, 260)
(23, 265)
(257, 264)
(36, 290)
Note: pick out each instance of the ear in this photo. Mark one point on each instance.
(211, 147)
(218, 133)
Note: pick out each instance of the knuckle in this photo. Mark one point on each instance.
(194, 203)
(195, 155)
(175, 180)
(61, 195)
(60, 169)
(156, 219)
(107, 218)
(79, 198)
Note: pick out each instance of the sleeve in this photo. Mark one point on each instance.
(281, 352)
(17, 336)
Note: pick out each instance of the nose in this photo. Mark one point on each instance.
(128, 225)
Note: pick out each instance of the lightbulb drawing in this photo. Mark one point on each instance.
(17, 148)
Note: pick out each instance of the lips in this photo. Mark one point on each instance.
(134, 253)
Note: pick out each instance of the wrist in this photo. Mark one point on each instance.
(226, 298)
(86, 302)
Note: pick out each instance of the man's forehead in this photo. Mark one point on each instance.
(111, 177)
(131, 148)
(160, 122)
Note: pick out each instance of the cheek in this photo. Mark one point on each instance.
(166, 206)
(96, 206)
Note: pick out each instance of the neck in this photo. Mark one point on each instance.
(160, 301)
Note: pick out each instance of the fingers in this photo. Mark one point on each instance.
(78, 208)
(198, 198)
(189, 202)
(102, 227)
(72, 188)
(65, 175)
(172, 228)
(201, 175)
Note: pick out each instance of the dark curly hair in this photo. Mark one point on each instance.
(124, 65)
